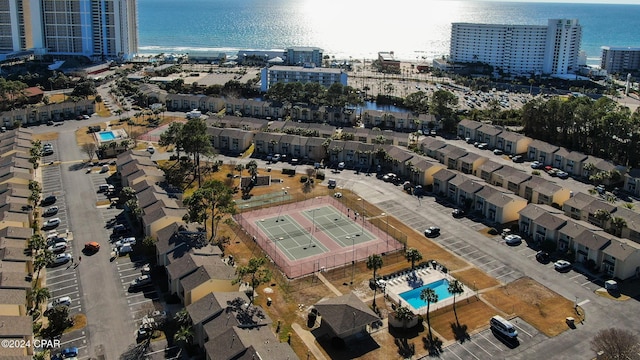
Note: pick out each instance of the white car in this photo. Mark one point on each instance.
(63, 301)
(513, 239)
(51, 223)
(537, 165)
(128, 240)
(141, 281)
(562, 265)
(62, 259)
(151, 149)
(58, 247)
(50, 211)
(341, 165)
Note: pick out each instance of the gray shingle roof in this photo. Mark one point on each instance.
(345, 313)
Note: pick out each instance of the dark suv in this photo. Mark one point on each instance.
(49, 200)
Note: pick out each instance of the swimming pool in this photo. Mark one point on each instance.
(106, 136)
(413, 296)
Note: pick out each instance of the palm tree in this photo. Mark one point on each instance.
(413, 255)
(182, 318)
(183, 335)
(429, 296)
(374, 262)
(404, 315)
(617, 224)
(41, 261)
(38, 295)
(455, 288)
(602, 215)
(36, 243)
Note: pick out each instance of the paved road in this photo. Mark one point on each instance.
(108, 327)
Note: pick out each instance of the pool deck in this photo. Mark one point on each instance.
(417, 278)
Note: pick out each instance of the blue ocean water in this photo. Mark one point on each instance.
(413, 29)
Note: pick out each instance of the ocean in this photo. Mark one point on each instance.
(415, 30)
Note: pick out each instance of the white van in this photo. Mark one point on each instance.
(504, 327)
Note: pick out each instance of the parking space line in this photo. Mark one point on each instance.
(521, 329)
(503, 275)
(474, 251)
(586, 283)
(489, 341)
(140, 302)
(478, 345)
(61, 294)
(65, 287)
(122, 277)
(498, 268)
(454, 354)
(48, 277)
(49, 284)
(489, 262)
(575, 276)
(75, 307)
(584, 302)
(72, 340)
(465, 349)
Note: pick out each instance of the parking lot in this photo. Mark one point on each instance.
(62, 280)
(487, 345)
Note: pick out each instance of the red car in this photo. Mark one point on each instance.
(92, 246)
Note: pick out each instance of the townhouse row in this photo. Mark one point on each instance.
(197, 271)
(40, 114)
(574, 163)
(494, 191)
(16, 262)
(272, 110)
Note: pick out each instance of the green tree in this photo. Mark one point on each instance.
(442, 106)
(58, 319)
(413, 255)
(36, 243)
(213, 200)
(42, 260)
(127, 193)
(404, 315)
(182, 318)
(85, 88)
(429, 296)
(35, 153)
(455, 288)
(417, 102)
(617, 224)
(197, 143)
(184, 335)
(374, 262)
(173, 136)
(252, 168)
(37, 296)
(255, 272)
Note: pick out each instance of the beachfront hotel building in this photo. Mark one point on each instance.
(620, 59)
(99, 29)
(551, 49)
(287, 74)
(303, 55)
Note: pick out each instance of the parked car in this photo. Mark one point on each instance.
(49, 200)
(332, 183)
(151, 149)
(51, 223)
(483, 146)
(517, 159)
(47, 151)
(458, 213)
(58, 247)
(341, 165)
(390, 177)
(70, 352)
(141, 281)
(432, 231)
(513, 239)
(543, 257)
(92, 246)
(276, 158)
(57, 240)
(498, 152)
(537, 165)
(562, 265)
(120, 229)
(50, 211)
(62, 301)
(128, 240)
(61, 259)
(562, 174)
(146, 269)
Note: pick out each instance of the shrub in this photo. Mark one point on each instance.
(535, 172)
(303, 179)
(320, 175)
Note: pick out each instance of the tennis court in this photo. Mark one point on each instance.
(314, 235)
(295, 241)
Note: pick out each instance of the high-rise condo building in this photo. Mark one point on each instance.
(519, 49)
(620, 59)
(93, 28)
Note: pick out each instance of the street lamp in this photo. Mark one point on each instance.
(284, 192)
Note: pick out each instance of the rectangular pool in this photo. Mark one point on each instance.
(106, 136)
(441, 287)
